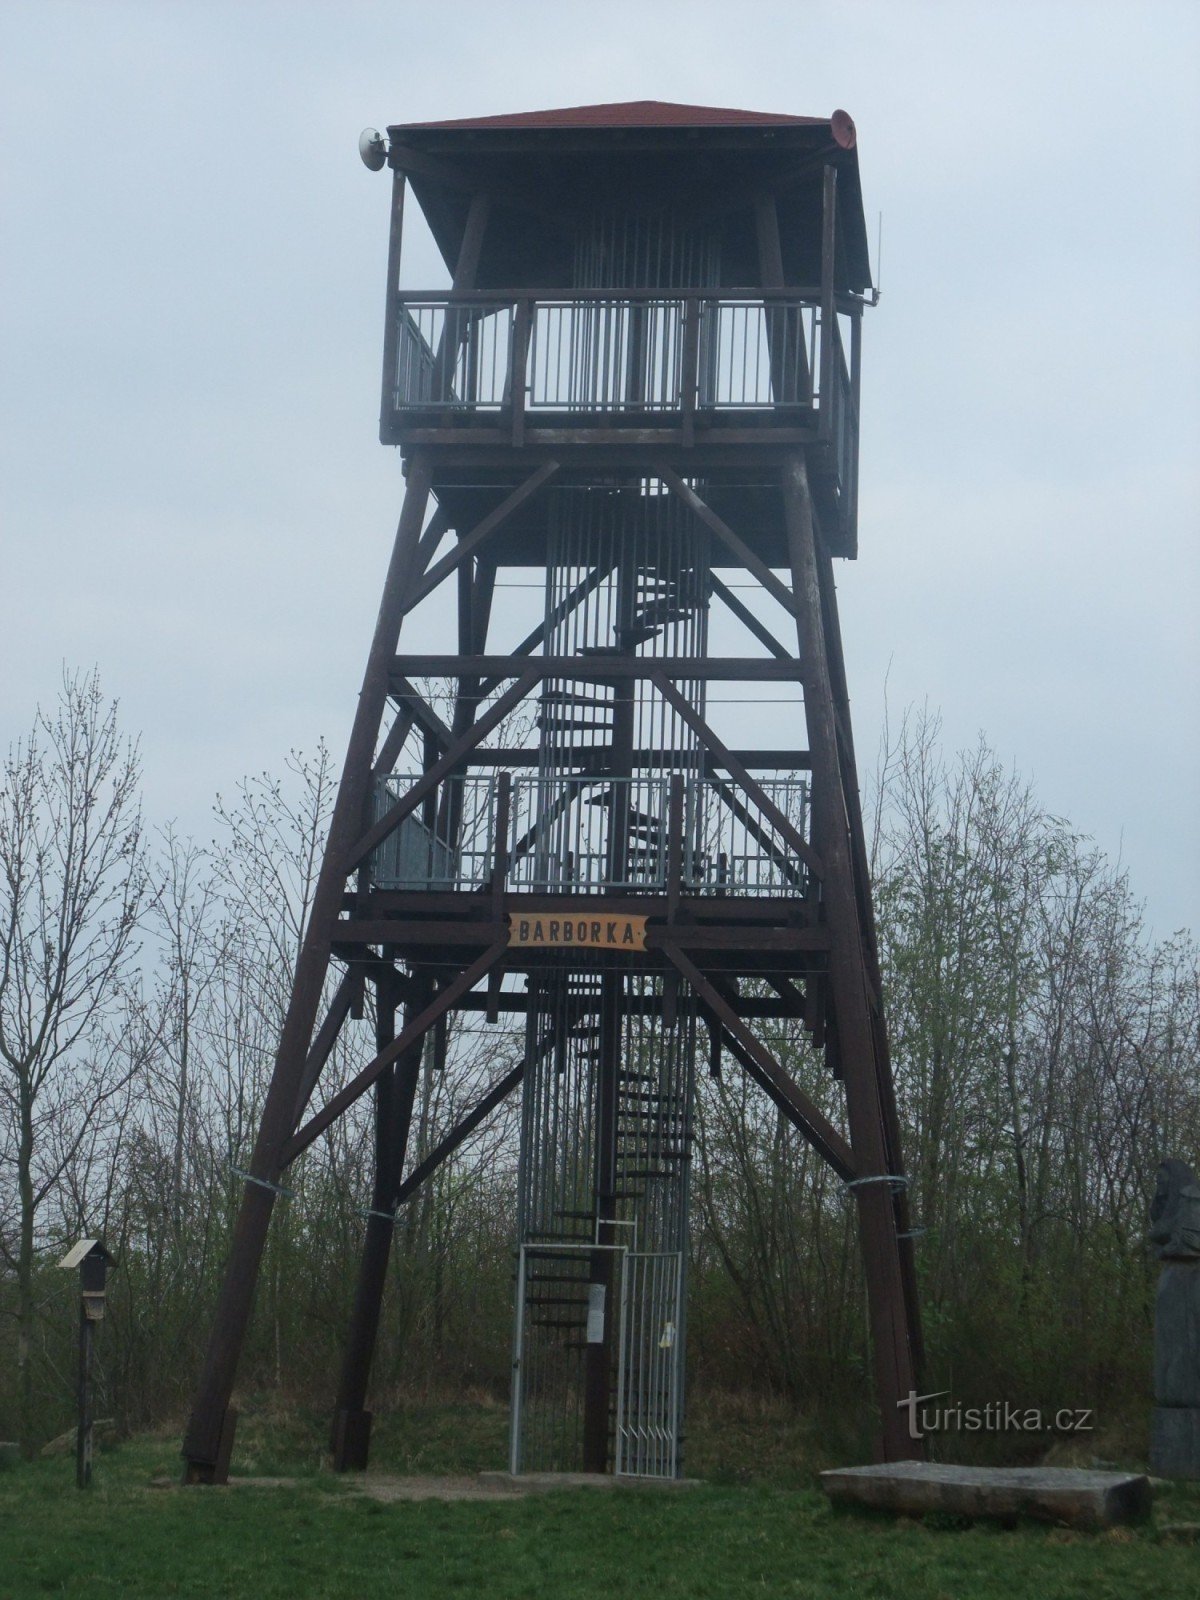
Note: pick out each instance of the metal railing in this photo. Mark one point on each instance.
(754, 355)
(591, 835)
(453, 354)
(606, 353)
(450, 846)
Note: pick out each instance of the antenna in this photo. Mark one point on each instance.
(878, 289)
(372, 149)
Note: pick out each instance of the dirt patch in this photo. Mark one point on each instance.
(478, 1486)
(449, 1487)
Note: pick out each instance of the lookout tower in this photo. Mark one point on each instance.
(637, 834)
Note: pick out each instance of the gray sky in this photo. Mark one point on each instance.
(194, 497)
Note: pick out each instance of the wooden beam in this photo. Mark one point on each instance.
(424, 713)
(391, 324)
(557, 614)
(889, 1295)
(757, 832)
(327, 1037)
(589, 763)
(595, 668)
(402, 726)
(450, 933)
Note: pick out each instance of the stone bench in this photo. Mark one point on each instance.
(1081, 1499)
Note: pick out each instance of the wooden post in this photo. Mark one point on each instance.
(391, 326)
(83, 1434)
(395, 1092)
(202, 1446)
(892, 1353)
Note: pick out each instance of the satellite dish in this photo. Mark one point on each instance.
(371, 149)
(841, 124)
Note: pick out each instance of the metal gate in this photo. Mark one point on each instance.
(557, 1316)
(649, 1386)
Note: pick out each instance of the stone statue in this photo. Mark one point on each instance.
(1175, 1230)
(1175, 1212)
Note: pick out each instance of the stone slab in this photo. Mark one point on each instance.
(1070, 1495)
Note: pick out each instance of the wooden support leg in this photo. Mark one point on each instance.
(395, 1091)
(203, 1456)
(887, 1298)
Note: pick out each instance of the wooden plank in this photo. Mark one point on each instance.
(454, 933)
(589, 763)
(573, 294)
(1074, 1496)
(781, 436)
(767, 910)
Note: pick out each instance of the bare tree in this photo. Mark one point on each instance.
(73, 886)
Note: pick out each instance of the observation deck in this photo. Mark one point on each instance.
(631, 371)
(632, 286)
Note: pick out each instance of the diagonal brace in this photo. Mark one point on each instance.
(807, 1117)
(412, 1034)
(737, 547)
(433, 775)
(441, 1152)
(560, 612)
(327, 1037)
(470, 542)
(747, 618)
(738, 772)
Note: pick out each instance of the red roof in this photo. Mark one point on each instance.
(629, 114)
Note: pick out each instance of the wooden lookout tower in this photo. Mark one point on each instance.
(637, 833)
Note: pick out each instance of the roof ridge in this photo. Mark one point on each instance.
(625, 113)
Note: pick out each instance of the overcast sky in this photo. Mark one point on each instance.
(194, 497)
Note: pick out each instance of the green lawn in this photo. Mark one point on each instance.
(318, 1538)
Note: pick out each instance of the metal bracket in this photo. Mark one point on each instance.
(263, 1183)
(898, 1180)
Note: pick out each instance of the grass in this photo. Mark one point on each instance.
(726, 1540)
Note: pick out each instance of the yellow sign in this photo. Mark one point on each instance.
(564, 933)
